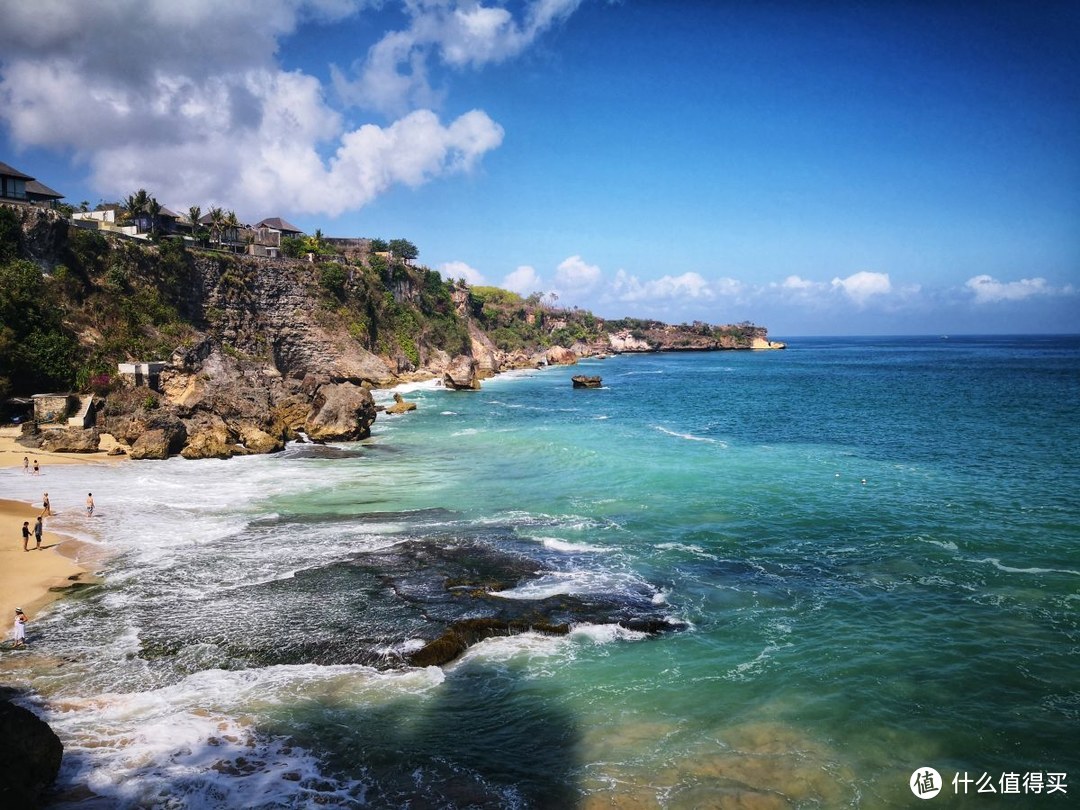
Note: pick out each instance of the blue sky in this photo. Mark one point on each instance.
(817, 168)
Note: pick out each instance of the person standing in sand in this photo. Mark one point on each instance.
(19, 632)
(25, 535)
(89, 504)
(46, 508)
(38, 528)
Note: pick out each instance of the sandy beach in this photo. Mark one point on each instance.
(27, 577)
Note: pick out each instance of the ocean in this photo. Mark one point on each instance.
(785, 579)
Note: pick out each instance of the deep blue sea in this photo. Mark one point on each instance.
(792, 579)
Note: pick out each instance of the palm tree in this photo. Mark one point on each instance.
(217, 222)
(153, 208)
(135, 204)
(233, 224)
(193, 215)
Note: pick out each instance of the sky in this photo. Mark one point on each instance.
(817, 168)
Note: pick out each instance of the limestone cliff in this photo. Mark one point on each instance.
(256, 352)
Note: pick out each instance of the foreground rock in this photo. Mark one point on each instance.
(30, 755)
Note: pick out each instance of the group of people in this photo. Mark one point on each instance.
(19, 633)
(26, 466)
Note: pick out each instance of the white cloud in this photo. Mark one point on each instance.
(687, 286)
(188, 101)
(575, 276)
(394, 76)
(861, 287)
(989, 290)
(456, 270)
(524, 281)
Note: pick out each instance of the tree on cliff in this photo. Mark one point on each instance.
(403, 249)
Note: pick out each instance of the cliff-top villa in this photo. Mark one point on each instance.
(21, 189)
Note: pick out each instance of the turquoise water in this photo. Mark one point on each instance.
(864, 555)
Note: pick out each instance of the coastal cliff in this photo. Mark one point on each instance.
(254, 352)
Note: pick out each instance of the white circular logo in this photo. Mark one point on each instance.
(925, 783)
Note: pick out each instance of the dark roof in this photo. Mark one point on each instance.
(278, 224)
(42, 190)
(12, 172)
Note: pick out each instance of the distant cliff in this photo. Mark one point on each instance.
(258, 351)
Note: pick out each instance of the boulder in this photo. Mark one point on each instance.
(71, 440)
(560, 356)
(213, 440)
(400, 405)
(151, 444)
(341, 412)
(582, 381)
(257, 440)
(30, 754)
(462, 374)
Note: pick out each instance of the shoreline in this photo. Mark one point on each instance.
(35, 579)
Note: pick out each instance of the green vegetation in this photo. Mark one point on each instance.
(107, 300)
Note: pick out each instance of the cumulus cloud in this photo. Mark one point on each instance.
(686, 286)
(575, 276)
(189, 101)
(989, 290)
(861, 287)
(395, 74)
(456, 270)
(523, 281)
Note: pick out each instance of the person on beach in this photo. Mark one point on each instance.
(26, 465)
(37, 470)
(46, 508)
(19, 634)
(38, 528)
(25, 535)
(89, 504)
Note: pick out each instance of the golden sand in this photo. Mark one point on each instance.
(26, 577)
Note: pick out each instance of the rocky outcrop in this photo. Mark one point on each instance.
(71, 440)
(583, 381)
(462, 375)
(762, 343)
(30, 755)
(560, 356)
(342, 412)
(400, 405)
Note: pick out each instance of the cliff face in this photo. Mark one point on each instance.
(260, 351)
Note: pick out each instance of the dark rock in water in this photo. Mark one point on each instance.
(420, 602)
(459, 636)
(583, 381)
(30, 754)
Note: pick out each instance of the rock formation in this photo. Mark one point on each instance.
(462, 375)
(583, 381)
(30, 754)
(400, 405)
